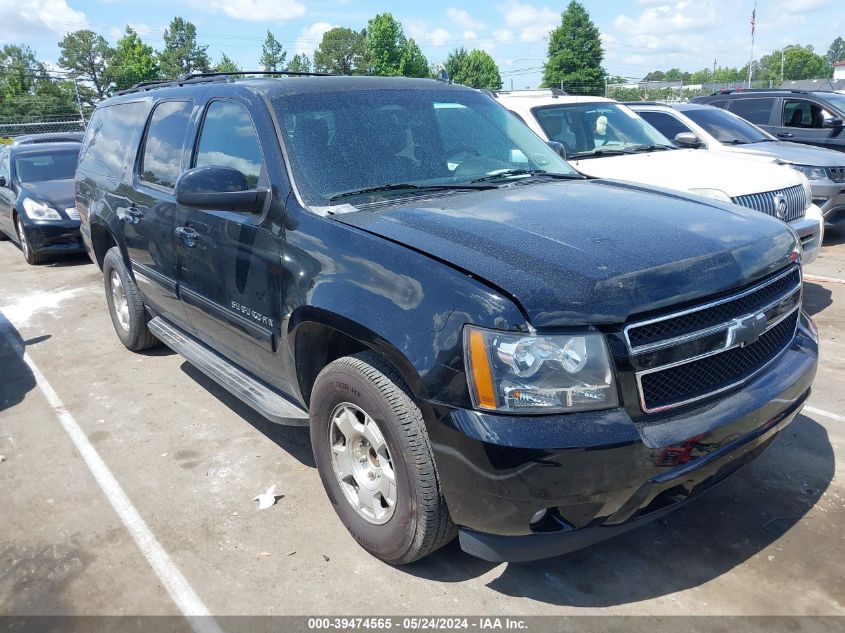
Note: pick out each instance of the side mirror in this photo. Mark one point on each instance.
(219, 189)
(558, 147)
(687, 139)
(834, 123)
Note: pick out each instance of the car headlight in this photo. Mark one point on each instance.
(715, 194)
(38, 211)
(812, 173)
(517, 373)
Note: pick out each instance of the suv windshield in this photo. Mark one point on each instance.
(350, 146)
(835, 99)
(727, 127)
(32, 167)
(596, 129)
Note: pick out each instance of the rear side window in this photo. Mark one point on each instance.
(228, 139)
(666, 124)
(757, 111)
(110, 137)
(161, 163)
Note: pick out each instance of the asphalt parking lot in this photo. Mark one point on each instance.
(189, 459)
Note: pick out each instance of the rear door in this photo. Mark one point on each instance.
(804, 121)
(761, 111)
(229, 263)
(149, 221)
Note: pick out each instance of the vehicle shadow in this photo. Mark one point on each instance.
(294, 440)
(67, 261)
(700, 542)
(16, 378)
(816, 298)
(834, 237)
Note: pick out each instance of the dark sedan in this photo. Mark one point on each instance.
(37, 208)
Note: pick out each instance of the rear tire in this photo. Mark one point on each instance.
(394, 460)
(34, 259)
(128, 314)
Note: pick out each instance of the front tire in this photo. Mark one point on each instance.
(128, 314)
(375, 460)
(33, 259)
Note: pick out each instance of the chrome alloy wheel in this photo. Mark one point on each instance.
(362, 464)
(118, 296)
(22, 238)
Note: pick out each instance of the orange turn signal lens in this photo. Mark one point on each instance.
(481, 373)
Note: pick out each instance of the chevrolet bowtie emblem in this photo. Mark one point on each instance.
(747, 330)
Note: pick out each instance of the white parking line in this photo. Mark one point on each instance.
(827, 414)
(824, 280)
(174, 582)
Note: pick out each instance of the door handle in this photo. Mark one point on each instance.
(785, 135)
(188, 235)
(133, 215)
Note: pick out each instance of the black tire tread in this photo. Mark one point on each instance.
(434, 526)
(140, 338)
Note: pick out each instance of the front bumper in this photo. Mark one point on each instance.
(600, 474)
(830, 197)
(54, 237)
(810, 230)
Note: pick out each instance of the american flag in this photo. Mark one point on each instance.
(753, 20)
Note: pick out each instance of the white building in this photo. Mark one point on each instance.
(839, 70)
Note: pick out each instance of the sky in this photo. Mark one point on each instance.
(638, 35)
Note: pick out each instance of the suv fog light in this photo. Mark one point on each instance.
(539, 516)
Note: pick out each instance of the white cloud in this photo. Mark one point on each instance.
(464, 20)
(503, 35)
(435, 38)
(21, 17)
(533, 23)
(258, 10)
(310, 36)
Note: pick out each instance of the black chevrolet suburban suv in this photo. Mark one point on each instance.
(811, 117)
(482, 341)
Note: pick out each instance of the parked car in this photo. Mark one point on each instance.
(481, 340)
(605, 139)
(47, 137)
(815, 118)
(716, 130)
(37, 208)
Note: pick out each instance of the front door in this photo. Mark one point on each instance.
(229, 273)
(149, 220)
(7, 196)
(805, 121)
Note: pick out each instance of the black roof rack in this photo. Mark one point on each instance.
(641, 103)
(728, 91)
(197, 78)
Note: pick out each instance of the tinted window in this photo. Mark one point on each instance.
(4, 165)
(804, 114)
(757, 111)
(726, 127)
(162, 160)
(110, 138)
(228, 138)
(666, 124)
(48, 166)
(837, 100)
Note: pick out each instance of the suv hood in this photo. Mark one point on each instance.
(685, 169)
(793, 153)
(579, 252)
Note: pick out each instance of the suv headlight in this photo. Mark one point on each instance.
(38, 211)
(517, 373)
(812, 173)
(715, 194)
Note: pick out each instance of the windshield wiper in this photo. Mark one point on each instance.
(508, 173)
(649, 148)
(599, 151)
(406, 186)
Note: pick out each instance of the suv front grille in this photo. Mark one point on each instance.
(795, 198)
(690, 355)
(837, 174)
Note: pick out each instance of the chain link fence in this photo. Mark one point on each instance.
(18, 126)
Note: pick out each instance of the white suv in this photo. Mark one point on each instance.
(605, 139)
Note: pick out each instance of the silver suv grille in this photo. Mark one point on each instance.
(837, 174)
(768, 202)
(687, 356)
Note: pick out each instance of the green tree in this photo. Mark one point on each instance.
(412, 62)
(655, 75)
(181, 52)
(341, 52)
(134, 61)
(474, 68)
(27, 90)
(575, 53)
(273, 54)
(385, 40)
(799, 62)
(227, 65)
(299, 63)
(836, 52)
(88, 56)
